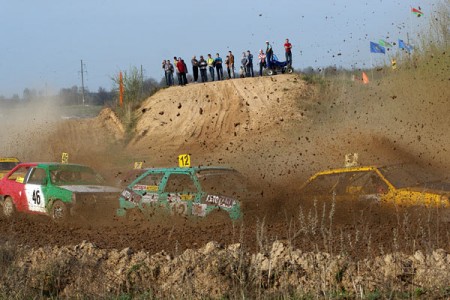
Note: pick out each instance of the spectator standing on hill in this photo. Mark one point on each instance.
(288, 49)
(168, 68)
(164, 62)
(250, 64)
(227, 63)
(181, 66)
(194, 62)
(202, 64)
(172, 69)
(262, 61)
(219, 68)
(231, 56)
(269, 54)
(210, 62)
(244, 62)
(175, 63)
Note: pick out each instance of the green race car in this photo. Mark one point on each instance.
(54, 189)
(196, 191)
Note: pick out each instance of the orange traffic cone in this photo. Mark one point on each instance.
(365, 78)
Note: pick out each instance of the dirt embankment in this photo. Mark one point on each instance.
(217, 272)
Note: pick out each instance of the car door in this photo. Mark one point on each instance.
(35, 190)
(14, 187)
(180, 191)
(146, 190)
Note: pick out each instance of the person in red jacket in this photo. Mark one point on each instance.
(288, 49)
(181, 66)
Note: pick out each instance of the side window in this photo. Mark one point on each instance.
(180, 183)
(322, 185)
(370, 183)
(149, 182)
(37, 176)
(19, 174)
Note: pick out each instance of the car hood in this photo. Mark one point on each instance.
(90, 188)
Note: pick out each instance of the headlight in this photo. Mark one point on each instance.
(444, 200)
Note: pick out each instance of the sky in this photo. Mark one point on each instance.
(43, 42)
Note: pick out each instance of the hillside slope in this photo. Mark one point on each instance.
(218, 111)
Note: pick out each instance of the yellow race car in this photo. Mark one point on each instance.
(7, 164)
(404, 185)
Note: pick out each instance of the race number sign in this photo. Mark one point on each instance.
(138, 165)
(65, 158)
(35, 197)
(184, 161)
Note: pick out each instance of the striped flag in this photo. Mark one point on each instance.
(384, 43)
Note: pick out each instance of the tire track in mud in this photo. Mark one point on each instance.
(357, 229)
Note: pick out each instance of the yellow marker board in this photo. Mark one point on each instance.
(184, 160)
(138, 165)
(65, 158)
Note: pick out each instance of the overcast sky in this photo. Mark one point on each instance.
(43, 41)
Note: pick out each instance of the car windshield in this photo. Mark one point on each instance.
(409, 176)
(75, 175)
(221, 182)
(5, 166)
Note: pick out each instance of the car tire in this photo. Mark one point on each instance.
(290, 70)
(59, 211)
(270, 72)
(8, 207)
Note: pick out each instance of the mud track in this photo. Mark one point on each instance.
(356, 230)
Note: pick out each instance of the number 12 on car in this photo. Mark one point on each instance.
(184, 160)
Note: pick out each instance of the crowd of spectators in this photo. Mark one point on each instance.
(214, 65)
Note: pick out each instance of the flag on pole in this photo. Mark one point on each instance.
(384, 43)
(416, 11)
(365, 78)
(376, 48)
(405, 46)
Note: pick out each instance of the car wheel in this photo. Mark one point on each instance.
(270, 72)
(59, 211)
(8, 207)
(290, 70)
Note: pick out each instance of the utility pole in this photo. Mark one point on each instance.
(142, 84)
(82, 81)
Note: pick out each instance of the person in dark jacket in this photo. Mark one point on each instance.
(269, 54)
(194, 62)
(203, 65)
(219, 68)
(250, 64)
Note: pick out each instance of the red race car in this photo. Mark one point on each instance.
(54, 189)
